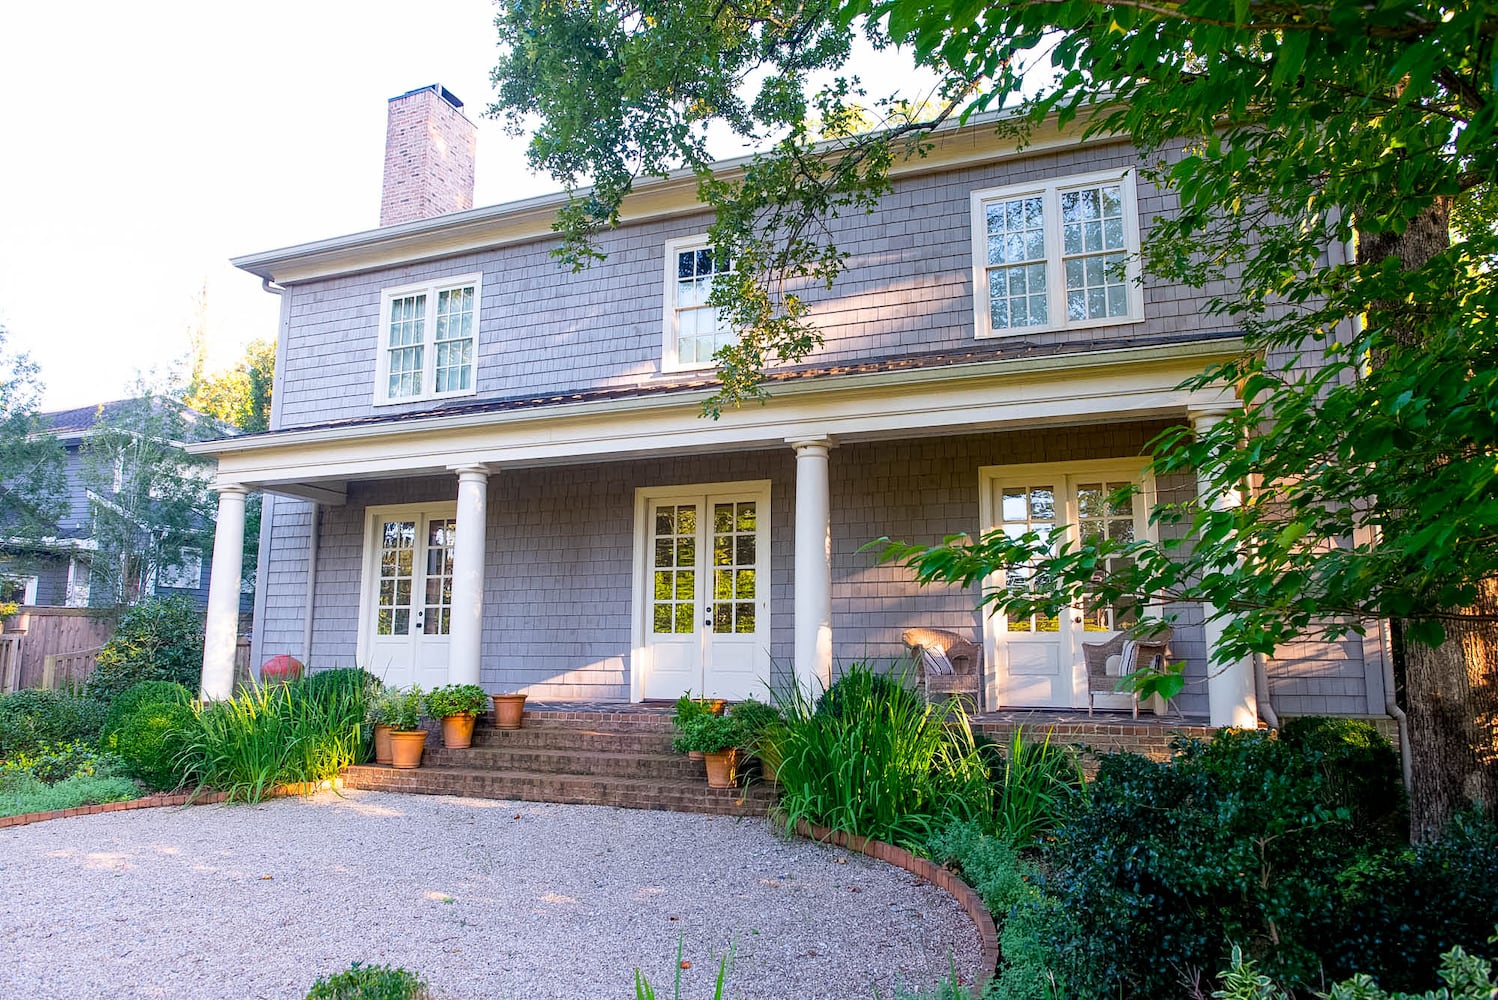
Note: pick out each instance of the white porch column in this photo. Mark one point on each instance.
(467, 633)
(813, 580)
(1231, 700)
(221, 630)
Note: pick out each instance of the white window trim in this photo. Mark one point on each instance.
(1055, 276)
(429, 339)
(28, 587)
(670, 350)
(78, 584)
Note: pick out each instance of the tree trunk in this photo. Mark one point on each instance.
(1452, 689)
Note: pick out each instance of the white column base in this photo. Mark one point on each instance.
(1231, 698)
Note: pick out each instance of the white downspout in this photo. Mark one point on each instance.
(1391, 705)
(1261, 688)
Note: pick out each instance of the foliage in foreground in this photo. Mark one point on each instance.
(370, 982)
(1466, 977)
(24, 793)
(644, 991)
(297, 732)
(882, 763)
(33, 718)
(1034, 784)
(159, 639)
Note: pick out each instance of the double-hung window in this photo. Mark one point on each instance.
(1056, 255)
(428, 340)
(694, 330)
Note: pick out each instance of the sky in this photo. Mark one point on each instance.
(143, 145)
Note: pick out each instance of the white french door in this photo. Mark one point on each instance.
(1038, 661)
(702, 599)
(406, 612)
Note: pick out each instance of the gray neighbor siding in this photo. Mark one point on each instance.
(560, 540)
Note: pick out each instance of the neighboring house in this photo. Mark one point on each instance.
(485, 468)
(58, 572)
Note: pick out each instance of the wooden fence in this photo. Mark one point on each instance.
(59, 647)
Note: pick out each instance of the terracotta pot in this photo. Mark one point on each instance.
(722, 769)
(382, 743)
(457, 731)
(714, 706)
(406, 747)
(509, 710)
(695, 755)
(769, 771)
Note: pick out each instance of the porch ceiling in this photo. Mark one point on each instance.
(1127, 384)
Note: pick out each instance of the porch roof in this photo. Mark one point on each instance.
(1013, 384)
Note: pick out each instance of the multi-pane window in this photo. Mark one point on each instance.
(695, 330)
(734, 531)
(439, 576)
(674, 568)
(1024, 509)
(1056, 255)
(1104, 512)
(428, 341)
(397, 570)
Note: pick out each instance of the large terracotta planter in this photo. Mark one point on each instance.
(406, 747)
(509, 710)
(382, 743)
(722, 769)
(457, 731)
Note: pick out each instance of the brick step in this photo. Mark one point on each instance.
(604, 762)
(587, 738)
(676, 795)
(627, 721)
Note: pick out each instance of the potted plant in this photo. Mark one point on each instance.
(457, 705)
(718, 738)
(378, 716)
(762, 727)
(689, 708)
(509, 711)
(407, 738)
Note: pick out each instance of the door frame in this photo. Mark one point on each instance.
(745, 489)
(369, 559)
(1136, 469)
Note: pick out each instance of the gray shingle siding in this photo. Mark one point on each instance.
(543, 329)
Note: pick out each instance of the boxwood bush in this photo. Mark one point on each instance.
(152, 740)
(370, 982)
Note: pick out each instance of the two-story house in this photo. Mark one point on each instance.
(485, 468)
(60, 572)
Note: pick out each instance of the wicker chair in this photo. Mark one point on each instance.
(965, 682)
(1151, 652)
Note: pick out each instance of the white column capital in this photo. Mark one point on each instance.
(472, 472)
(1208, 416)
(811, 445)
(231, 489)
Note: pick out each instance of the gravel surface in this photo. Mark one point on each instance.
(484, 898)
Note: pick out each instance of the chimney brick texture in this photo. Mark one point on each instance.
(429, 153)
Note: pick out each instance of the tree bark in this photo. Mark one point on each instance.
(1451, 689)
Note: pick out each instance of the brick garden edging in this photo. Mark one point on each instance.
(931, 872)
(162, 800)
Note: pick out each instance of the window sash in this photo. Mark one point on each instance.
(429, 341)
(1057, 256)
(695, 329)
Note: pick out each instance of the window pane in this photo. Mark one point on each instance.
(743, 618)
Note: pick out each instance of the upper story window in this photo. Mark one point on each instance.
(428, 337)
(1056, 256)
(694, 330)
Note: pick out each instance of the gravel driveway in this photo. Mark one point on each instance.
(486, 899)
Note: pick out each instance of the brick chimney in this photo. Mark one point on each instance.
(429, 148)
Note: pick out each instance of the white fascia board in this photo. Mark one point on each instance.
(1137, 384)
(492, 226)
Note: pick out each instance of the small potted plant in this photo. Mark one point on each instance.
(407, 738)
(762, 728)
(689, 708)
(509, 710)
(457, 705)
(378, 716)
(718, 737)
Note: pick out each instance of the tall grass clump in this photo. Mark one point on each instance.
(296, 732)
(873, 759)
(1034, 783)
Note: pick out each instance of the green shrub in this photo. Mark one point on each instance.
(21, 792)
(456, 699)
(755, 716)
(151, 742)
(144, 693)
(341, 679)
(51, 764)
(1241, 840)
(1034, 784)
(303, 731)
(709, 734)
(877, 761)
(33, 718)
(1360, 771)
(159, 639)
(1466, 977)
(370, 982)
